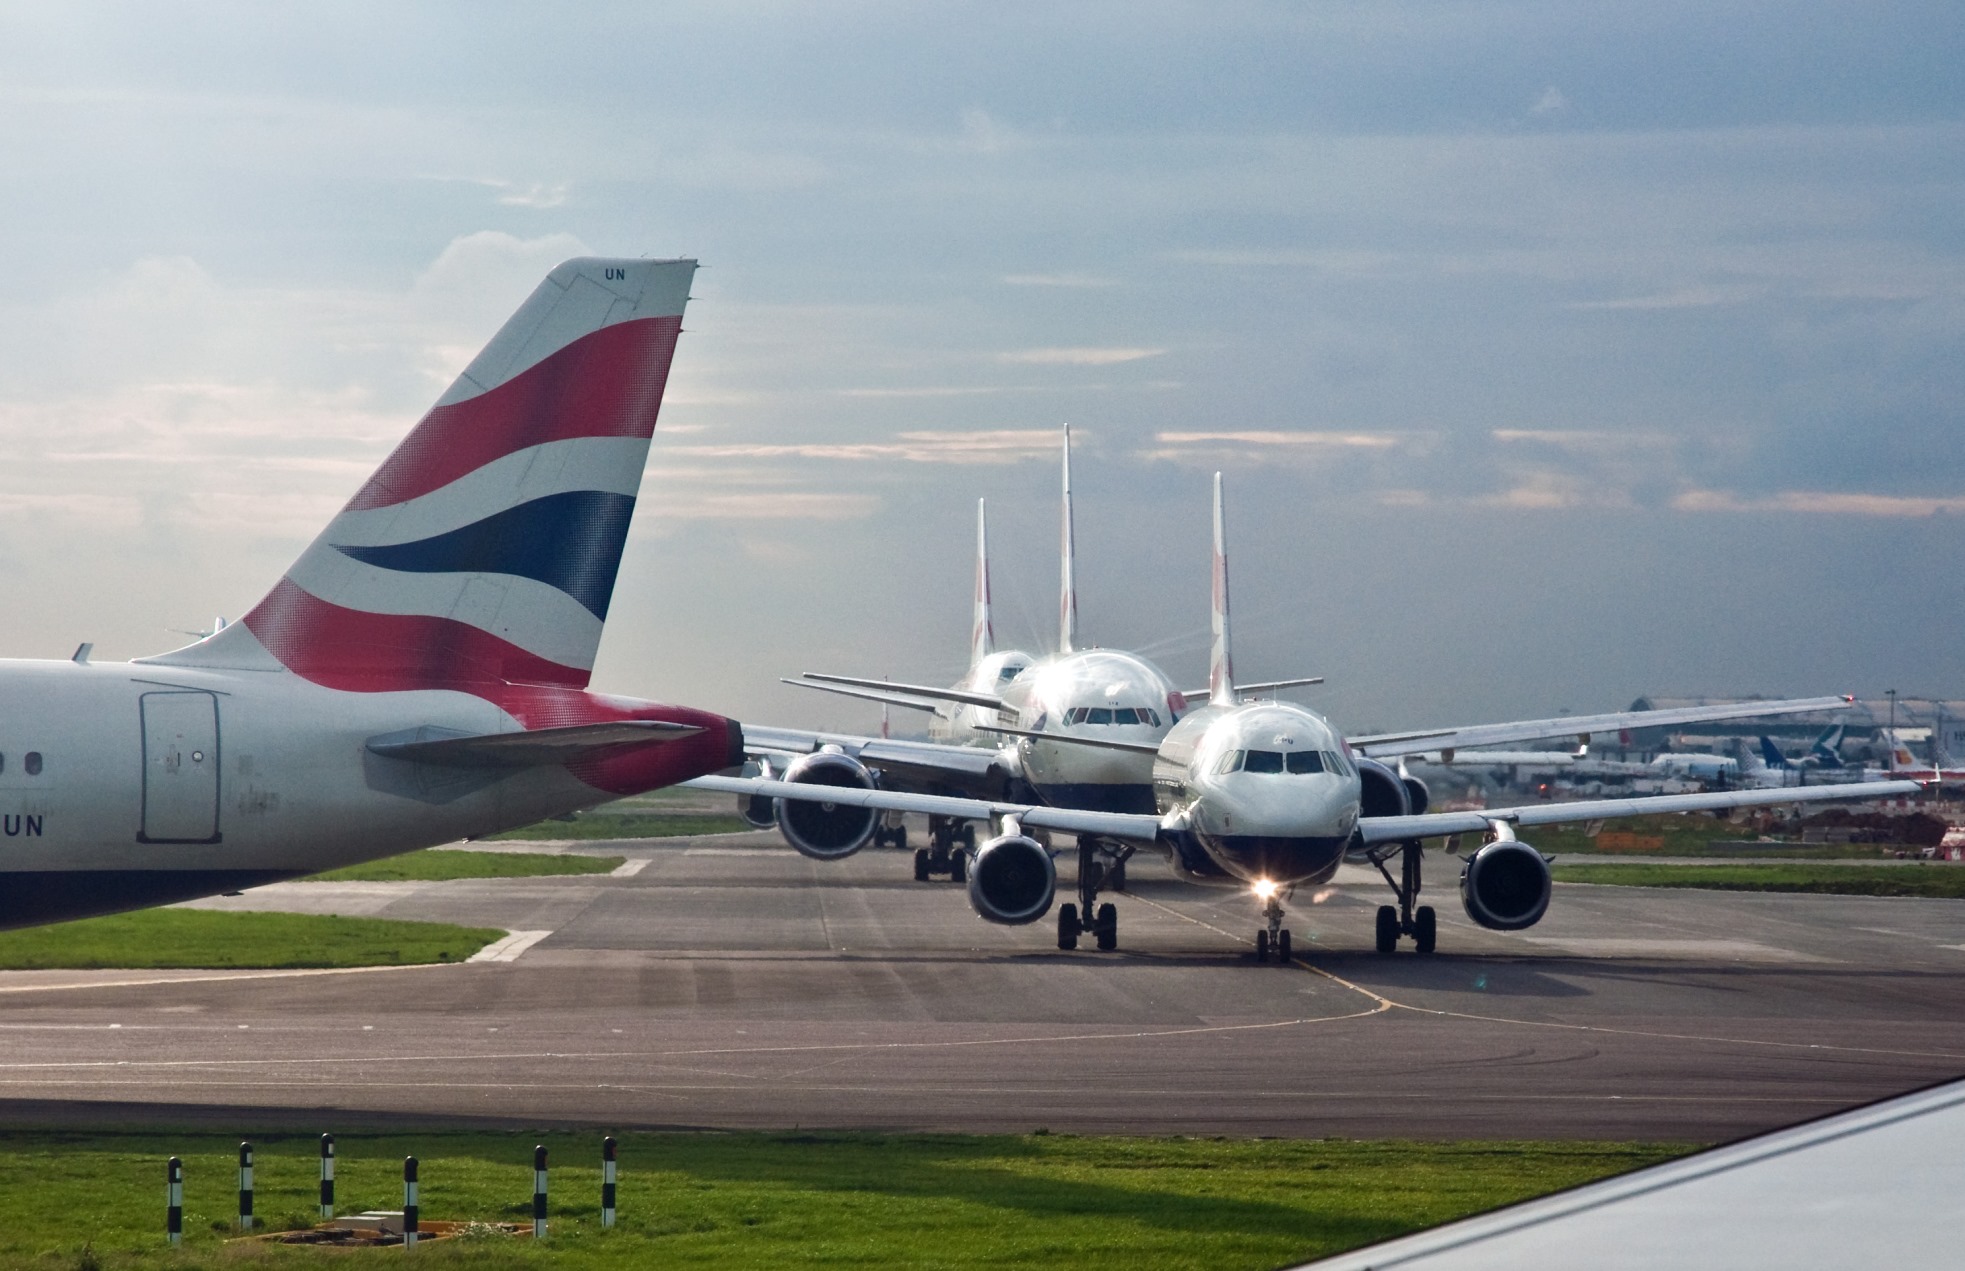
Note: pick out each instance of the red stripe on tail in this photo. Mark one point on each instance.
(607, 384)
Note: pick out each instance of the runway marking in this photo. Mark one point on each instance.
(508, 949)
(1389, 1004)
(629, 868)
(210, 977)
(1638, 947)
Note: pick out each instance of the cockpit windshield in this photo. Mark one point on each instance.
(1294, 762)
(1112, 715)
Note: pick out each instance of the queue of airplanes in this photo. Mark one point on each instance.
(420, 675)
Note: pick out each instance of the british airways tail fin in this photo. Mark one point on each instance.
(1221, 667)
(982, 636)
(1067, 583)
(485, 548)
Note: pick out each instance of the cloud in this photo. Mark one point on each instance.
(1823, 503)
(1551, 102)
(1698, 297)
(985, 446)
(1059, 280)
(1262, 444)
(761, 506)
(1079, 356)
(1582, 440)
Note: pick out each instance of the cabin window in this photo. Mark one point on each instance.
(32, 763)
(1263, 761)
(1302, 761)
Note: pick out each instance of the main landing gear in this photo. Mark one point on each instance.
(1275, 936)
(1421, 923)
(1100, 868)
(947, 850)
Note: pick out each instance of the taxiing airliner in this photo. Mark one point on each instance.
(1269, 796)
(420, 673)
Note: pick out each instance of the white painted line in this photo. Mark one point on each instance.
(508, 949)
(629, 868)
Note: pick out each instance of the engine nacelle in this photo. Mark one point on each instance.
(1505, 886)
(827, 831)
(760, 812)
(1382, 792)
(1418, 797)
(1012, 880)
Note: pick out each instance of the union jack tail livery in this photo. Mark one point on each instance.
(484, 549)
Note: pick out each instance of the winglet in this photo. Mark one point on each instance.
(982, 636)
(1068, 587)
(1221, 668)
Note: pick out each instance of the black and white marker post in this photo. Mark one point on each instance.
(607, 1182)
(327, 1176)
(409, 1203)
(245, 1186)
(539, 1192)
(174, 1201)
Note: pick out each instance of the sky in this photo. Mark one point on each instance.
(1553, 354)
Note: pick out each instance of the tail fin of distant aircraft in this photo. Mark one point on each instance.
(1772, 753)
(484, 549)
(1068, 586)
(982, 636)
(1221, 668)
(1827, 748)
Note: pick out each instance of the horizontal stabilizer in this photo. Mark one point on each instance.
(528, 749)
(1260, 686)
(1384, 745)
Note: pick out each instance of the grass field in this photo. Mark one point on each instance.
(749, 1200)
(440, 864)
(628, 825)
(1693, 835)
(1939, 881)
(159, 938)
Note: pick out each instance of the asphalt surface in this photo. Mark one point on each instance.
(728, 982)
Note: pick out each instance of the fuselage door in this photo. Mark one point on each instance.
(180, 768)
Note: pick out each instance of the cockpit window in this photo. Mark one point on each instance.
(1263, 761)
(1230, 762)
(1007, 673)
(1099, 715)
(1305, 760)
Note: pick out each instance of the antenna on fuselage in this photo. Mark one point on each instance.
(982, 636)
(1068, 588)
(1221, 667)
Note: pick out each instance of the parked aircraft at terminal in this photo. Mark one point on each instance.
(420, 673)
(1269, 796)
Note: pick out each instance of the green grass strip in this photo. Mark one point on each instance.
(1946, 882)
(439, 864)
(754, 1200)
(631, 825)
(160, 938)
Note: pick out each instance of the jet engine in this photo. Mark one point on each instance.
(760, 812)
(1418, 797)
(827, 831)
(1505, 886)
(1012, 880)
(1384, 793)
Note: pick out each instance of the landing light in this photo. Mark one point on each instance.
(1264, 889)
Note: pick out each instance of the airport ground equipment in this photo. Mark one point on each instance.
(607, 1165)
(327, 1176)
(411, 1208)
(174, 1201)
(245, 1187)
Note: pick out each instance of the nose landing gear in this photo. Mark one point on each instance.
(1420, 922)
(1275, 936)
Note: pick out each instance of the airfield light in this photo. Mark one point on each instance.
(1264, 889)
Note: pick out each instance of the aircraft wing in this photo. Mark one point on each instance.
(967, 697)
(867, 694)
(961, 764)
(1388, 829)
(525, 749)
(1135, 826)
(1385, 745)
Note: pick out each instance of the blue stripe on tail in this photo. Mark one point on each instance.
(571, 541)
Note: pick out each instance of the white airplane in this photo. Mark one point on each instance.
(420, 673)
(1269, 796)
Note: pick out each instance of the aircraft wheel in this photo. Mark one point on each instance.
(1262, 945)
(1426, 929)
(1115, 878)
(900, 838)
(1388, 929)
(1067, 926)
(958, 867)
(1108, 927)
(968, 835)
(1283, 945)
(920, 864)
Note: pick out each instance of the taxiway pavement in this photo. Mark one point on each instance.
(727, 982)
